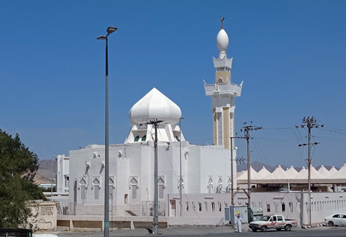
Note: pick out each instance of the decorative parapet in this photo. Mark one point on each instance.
(223, 62)
(223, 88)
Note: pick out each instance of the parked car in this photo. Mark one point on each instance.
(277, 222)
(337, 219)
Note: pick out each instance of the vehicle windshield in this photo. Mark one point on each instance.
(261, 218)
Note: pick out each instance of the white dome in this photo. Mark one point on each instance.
(155, 105)
(222, 40)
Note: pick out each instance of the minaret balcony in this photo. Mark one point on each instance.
(223, 88)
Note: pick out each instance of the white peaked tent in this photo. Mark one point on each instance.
(303, 173)
(263, 172)
(243, 176)
(324, 172)
(315, 174)
(240, 173)
(291, 175)
(341, 174)
(333, 170)
(256, 175)
(279, 173)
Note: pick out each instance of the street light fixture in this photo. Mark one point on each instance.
(106, 207)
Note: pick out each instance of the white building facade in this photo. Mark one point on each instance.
(62, 174)
(205, 169)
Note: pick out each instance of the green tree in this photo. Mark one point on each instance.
(18, 166)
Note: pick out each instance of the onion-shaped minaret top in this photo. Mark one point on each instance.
(222, 40)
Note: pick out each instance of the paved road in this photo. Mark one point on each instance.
(221, 231)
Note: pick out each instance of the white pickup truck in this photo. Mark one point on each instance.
(277, 222)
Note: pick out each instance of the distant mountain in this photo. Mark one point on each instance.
(47, 164)
(256, 165)
(46, 172)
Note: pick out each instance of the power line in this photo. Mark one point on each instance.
(331, 139)
(335, 130)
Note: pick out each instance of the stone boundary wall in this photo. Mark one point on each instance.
(44, 215)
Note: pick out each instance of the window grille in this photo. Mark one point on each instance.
(96, 192)
(134, 191)
(161, 191)
(83, 192)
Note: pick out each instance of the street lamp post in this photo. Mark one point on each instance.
(181, 174)
(232, 174)
(156, 123)
(110, 30)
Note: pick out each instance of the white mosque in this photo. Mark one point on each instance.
(202, 173)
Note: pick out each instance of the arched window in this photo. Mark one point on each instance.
(96, 187)
(161, 183)
(219, 186)
(210, 185)
(83, 185)
(134, 186)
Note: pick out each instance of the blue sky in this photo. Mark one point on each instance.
(290, 55)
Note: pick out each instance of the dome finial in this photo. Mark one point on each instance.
(222, 19)
(222, 40)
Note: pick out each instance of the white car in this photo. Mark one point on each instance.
(337, 219)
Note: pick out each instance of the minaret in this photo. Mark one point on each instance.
(223, 93)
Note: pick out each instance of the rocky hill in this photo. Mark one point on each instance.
(47, 171)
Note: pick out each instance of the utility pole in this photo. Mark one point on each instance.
(247, 129)
(232, 174)
(156, 122)
(309, 122)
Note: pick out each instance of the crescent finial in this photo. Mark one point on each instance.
(222, 19)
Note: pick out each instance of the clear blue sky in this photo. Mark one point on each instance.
(290, 54)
